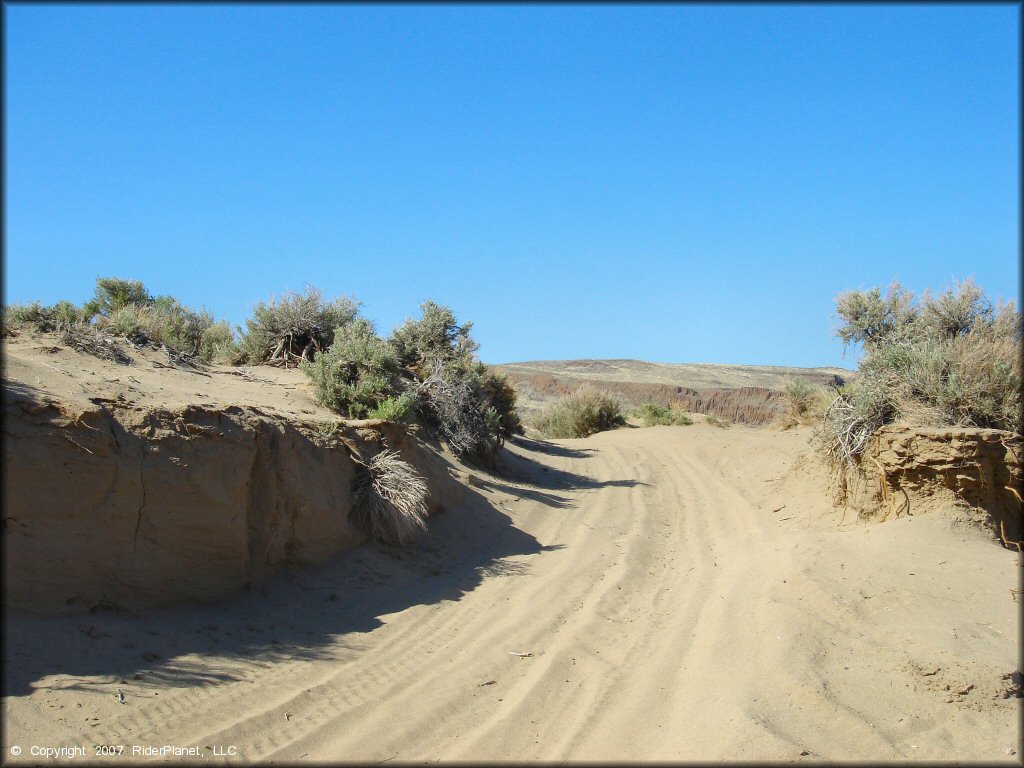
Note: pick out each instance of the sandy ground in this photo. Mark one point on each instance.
(673, 593)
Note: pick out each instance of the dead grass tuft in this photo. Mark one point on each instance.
(389, 498)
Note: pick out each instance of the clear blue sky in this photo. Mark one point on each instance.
(674, 183)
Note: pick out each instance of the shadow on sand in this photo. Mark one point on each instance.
(310, 612)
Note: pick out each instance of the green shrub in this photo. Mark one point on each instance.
(295, 326)
(869, 319)
(653, 415)
(401, 409)
(26, 317)
(581, 414)
(165, 321)
(357, 373)
(217, 344)
(436, 336)
(113, 293)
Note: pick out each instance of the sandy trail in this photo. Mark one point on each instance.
(683, 593)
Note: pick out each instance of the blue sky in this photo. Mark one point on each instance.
(674, 183)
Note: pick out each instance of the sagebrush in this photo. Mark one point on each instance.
(581, 414)
(294, 326)
(125, 309)
(947, 360)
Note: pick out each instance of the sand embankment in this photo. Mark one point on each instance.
(144, 485)
(673, 593)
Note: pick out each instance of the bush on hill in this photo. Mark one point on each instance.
(124, 308)
(947, 360)
(294, 327)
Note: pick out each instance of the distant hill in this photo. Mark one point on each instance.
(750, 394)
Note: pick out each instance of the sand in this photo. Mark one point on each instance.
(672, 593)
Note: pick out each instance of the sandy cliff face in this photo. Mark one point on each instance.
(116, 502)
(917, 469)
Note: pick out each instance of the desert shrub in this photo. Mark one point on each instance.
(804, 404)
(164, 321)
(401, 409)
(295, 326)
(681, 418)
(451, 401)
(716, 421)
(389, 498)
(499, 395)
(435, 336)
(870, 319)
(581, 414)
(128, 322)
(471, 408)
(955, 361)
(653, 415)
(357, 373)
(26, 316)
(217, 344)
(113, 293)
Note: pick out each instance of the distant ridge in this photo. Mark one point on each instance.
(749, 394)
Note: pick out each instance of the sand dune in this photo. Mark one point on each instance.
(673, 593)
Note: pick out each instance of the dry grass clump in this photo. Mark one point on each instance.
(581, 414)
(950, 360)
(389, 499)
(715, 421)
(805, 404)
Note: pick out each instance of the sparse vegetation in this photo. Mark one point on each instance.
(124, 309)
(389, 498)
(947, 360)
(715, 421)
(426, 369)
(581, 414)
(653, 414)
(39, 318)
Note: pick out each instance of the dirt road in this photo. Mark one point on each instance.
(673, 593)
